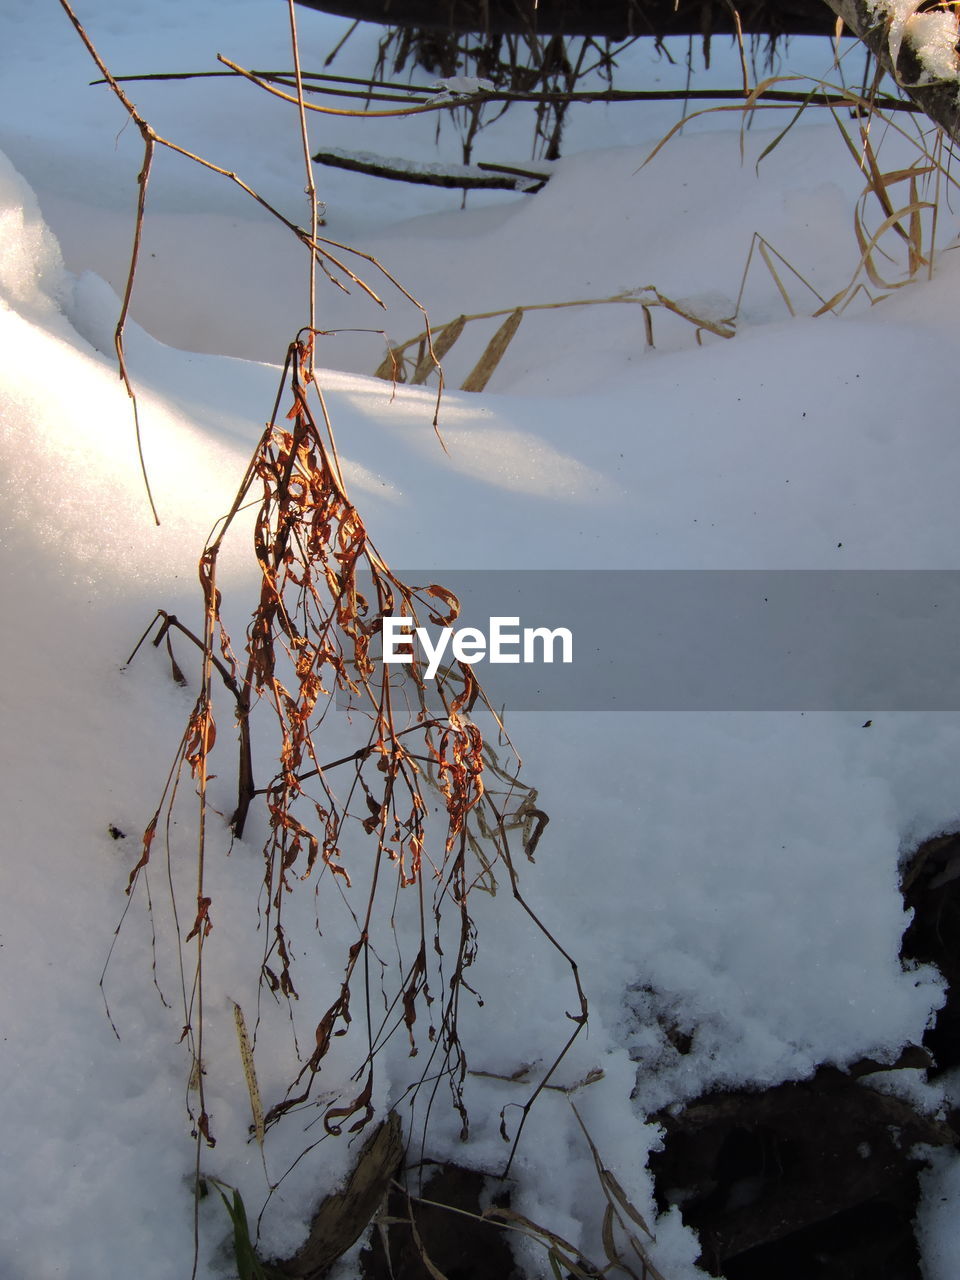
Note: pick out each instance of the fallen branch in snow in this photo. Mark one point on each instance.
(467, 176)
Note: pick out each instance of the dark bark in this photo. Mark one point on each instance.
(344, 1215)
(939, 101)
(497, 177)
(614, 18)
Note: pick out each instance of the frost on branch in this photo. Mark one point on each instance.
(932, 37)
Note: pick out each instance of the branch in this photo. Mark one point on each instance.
(406, 94)
(939, 100)
(500, 177)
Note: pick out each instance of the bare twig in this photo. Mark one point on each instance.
(311, 190)
(149, 140)
(411, 95)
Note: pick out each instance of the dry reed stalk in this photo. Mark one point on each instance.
(483, 371)
(909, 222)
(397, 366)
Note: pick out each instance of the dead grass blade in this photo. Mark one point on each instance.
(442, 343)
(560, 1251)
(398, 366)
(484, 369)
(758, 244)
(414, 109)
(908, 222)
(868, 245)
(620, 1211)
(249, 1073)
(772, 146)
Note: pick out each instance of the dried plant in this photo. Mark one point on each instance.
(412, 361)
(309, 641)
(364, 826)
(896, 239)
(401, 830)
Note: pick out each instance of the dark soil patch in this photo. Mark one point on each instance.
(931, 889)
(816, 1180)
(812, 1179)
(458, 1245)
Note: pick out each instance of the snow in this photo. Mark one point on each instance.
(933, 36)
(937, 1228)
(460, 86)
(734, 875)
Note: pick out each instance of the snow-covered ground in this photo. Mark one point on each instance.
(735, 874)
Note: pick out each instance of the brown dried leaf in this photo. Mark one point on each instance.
(449, 599)
(360, 1103)
(148, 838)
(202, 920)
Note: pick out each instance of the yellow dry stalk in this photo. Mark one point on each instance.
(397, 366)
(249, 1072)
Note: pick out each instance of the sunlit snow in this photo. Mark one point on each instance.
(734, 873)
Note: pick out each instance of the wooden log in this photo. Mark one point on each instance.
(614, 18)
